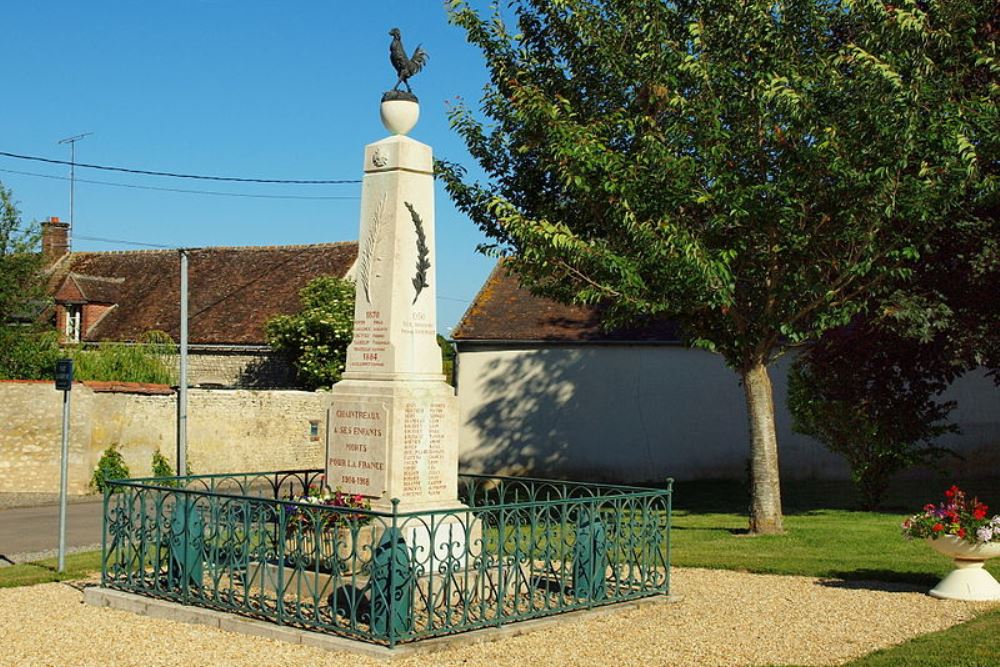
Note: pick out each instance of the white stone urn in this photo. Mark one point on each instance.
(968, 581)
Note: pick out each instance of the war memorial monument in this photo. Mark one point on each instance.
(387, 543)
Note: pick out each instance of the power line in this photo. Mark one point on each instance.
(165, 247)
(197, 192)
(146, 172)
(136, 243)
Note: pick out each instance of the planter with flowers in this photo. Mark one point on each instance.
(964, 531)
(326, 535)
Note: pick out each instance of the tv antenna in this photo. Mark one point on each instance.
(72, 171)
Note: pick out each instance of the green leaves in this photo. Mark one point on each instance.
(316, 338)
(757, 172)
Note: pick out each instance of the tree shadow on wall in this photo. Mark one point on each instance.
(526, 402)
(273, 370)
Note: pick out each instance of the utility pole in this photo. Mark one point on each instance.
(182, 389)
(72, 175)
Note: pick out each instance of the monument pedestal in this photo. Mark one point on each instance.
(395, 439)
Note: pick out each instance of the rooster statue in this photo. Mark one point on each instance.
(405, 67)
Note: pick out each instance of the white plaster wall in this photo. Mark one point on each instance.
(642, 413)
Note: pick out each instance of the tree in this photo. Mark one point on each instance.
(317, 336)
(28, 348)
(758, 172)
(871, 396)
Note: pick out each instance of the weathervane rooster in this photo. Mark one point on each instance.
(405, 67)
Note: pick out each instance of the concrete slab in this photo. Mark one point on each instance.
(104, 597)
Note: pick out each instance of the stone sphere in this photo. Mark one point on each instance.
(399, 116)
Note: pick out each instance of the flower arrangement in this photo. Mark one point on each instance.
(966, 519)
(300, 518)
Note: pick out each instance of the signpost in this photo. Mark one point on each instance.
(64, 383)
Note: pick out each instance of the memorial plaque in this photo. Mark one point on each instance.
(423, 449)
(359, 431)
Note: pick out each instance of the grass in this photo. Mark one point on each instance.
(78, 566)
(972, 644)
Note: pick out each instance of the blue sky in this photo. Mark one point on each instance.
(232, 88)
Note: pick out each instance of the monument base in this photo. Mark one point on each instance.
(395, 440)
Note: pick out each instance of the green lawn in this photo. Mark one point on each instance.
(822, 543)
(78, 566)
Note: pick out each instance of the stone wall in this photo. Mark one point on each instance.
(645, 412)
(228, 431)
(243, 369)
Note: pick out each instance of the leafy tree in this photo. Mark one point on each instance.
(317, 336)
(28, 348)
(872, 396)
(760, 172)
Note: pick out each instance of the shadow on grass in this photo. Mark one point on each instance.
(803, 497)
(890, 581)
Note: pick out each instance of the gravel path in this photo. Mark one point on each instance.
(725, 618)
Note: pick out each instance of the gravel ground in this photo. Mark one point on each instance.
(725, 618)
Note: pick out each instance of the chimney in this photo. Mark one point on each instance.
(55, 240)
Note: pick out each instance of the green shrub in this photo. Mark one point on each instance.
(161, 467)
(111, 466)
(143, 361)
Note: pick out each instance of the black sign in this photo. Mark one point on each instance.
(64, 374)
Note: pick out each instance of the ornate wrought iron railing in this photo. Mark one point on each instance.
(520, 548)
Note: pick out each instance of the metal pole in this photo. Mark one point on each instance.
(182, 394)
(63, 482)
(72, 181)
(72, 174)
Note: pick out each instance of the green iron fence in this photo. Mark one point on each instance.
(520, 548)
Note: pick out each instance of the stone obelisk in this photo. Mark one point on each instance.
(393, 421)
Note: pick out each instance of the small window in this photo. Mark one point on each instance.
(74, 319)
(314, 429)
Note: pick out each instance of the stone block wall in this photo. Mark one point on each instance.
(243, 369)
(229, 430)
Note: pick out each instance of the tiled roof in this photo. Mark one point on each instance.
(505, 311)
(232, 291)
(92, 289)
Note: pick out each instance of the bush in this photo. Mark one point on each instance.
(111, 466)
(27, 353)
(161, 467)
(124, 362)
(316, 337)
(872, 397)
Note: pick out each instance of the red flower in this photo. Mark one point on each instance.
(961, 532)
(979, 513)
(937, 528)
(950, 493)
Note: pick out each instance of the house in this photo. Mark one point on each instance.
(232, 292)
(543, 390)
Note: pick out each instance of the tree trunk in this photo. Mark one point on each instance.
(765, 488)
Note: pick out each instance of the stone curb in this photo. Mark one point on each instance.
(104, 597)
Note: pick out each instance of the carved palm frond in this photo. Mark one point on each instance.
(366, 262)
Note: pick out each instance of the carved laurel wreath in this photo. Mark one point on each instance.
(366, 263)
(423, 253)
